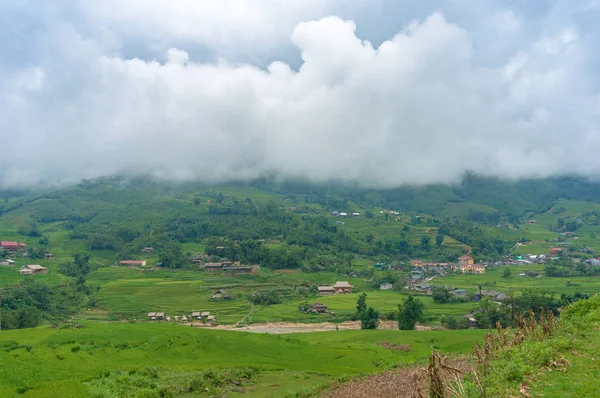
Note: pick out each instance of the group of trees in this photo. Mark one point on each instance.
(409, 313)
(34, 302)
(490, 313)
(561, 271)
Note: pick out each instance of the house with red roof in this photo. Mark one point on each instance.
(11, 246)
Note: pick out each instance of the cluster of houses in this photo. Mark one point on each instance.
(203, 316)
(338, 288)
(466, 265)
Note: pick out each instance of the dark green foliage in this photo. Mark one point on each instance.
(171, 256)
(369, 317)
(506, 273)
(410, 312)
(439, 239)
(361, 303)
(80, 267)
(455, 323)
(31, 228)
(441, 295)
(34, 302)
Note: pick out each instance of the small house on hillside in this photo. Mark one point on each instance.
(7, 262)
(49, 256)
(200, 314)
(33, 269)
(213, 266)
(386, 286)
(318, 308)
(472, 320)
(156, 316)
(343, 287)
(220, 294)
(133, 263)
(238, 269)
(148, 250)
(459, 292)
(325, 290)
(355, 214)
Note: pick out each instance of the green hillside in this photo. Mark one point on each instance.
(138, 360)
(289, 230)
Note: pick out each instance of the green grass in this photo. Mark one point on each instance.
(48, 363)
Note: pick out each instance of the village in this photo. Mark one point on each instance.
(420, 277)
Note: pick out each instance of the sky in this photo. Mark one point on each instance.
(376, 92)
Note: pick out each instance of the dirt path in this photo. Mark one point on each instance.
(290, 327)
(398, 383)
(247, 317)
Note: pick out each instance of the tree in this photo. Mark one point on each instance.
(425, 242)
(171, 256)
(361, 304)
(441, 295)
(79, 268)
(506, 273)
(369, 319)
(409, 313)
(439, 239)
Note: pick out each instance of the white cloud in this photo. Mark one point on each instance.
(421, 107)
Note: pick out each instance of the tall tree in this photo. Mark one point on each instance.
(410, 312)
(361, 304)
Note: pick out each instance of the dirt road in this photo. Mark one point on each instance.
(290, 327)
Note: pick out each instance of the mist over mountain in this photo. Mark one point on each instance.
(376, 93)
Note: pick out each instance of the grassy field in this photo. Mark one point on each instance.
(57, 363)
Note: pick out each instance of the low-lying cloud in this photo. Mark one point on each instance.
(440, 97)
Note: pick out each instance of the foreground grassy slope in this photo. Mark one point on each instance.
(47, 362)
(564, 364)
